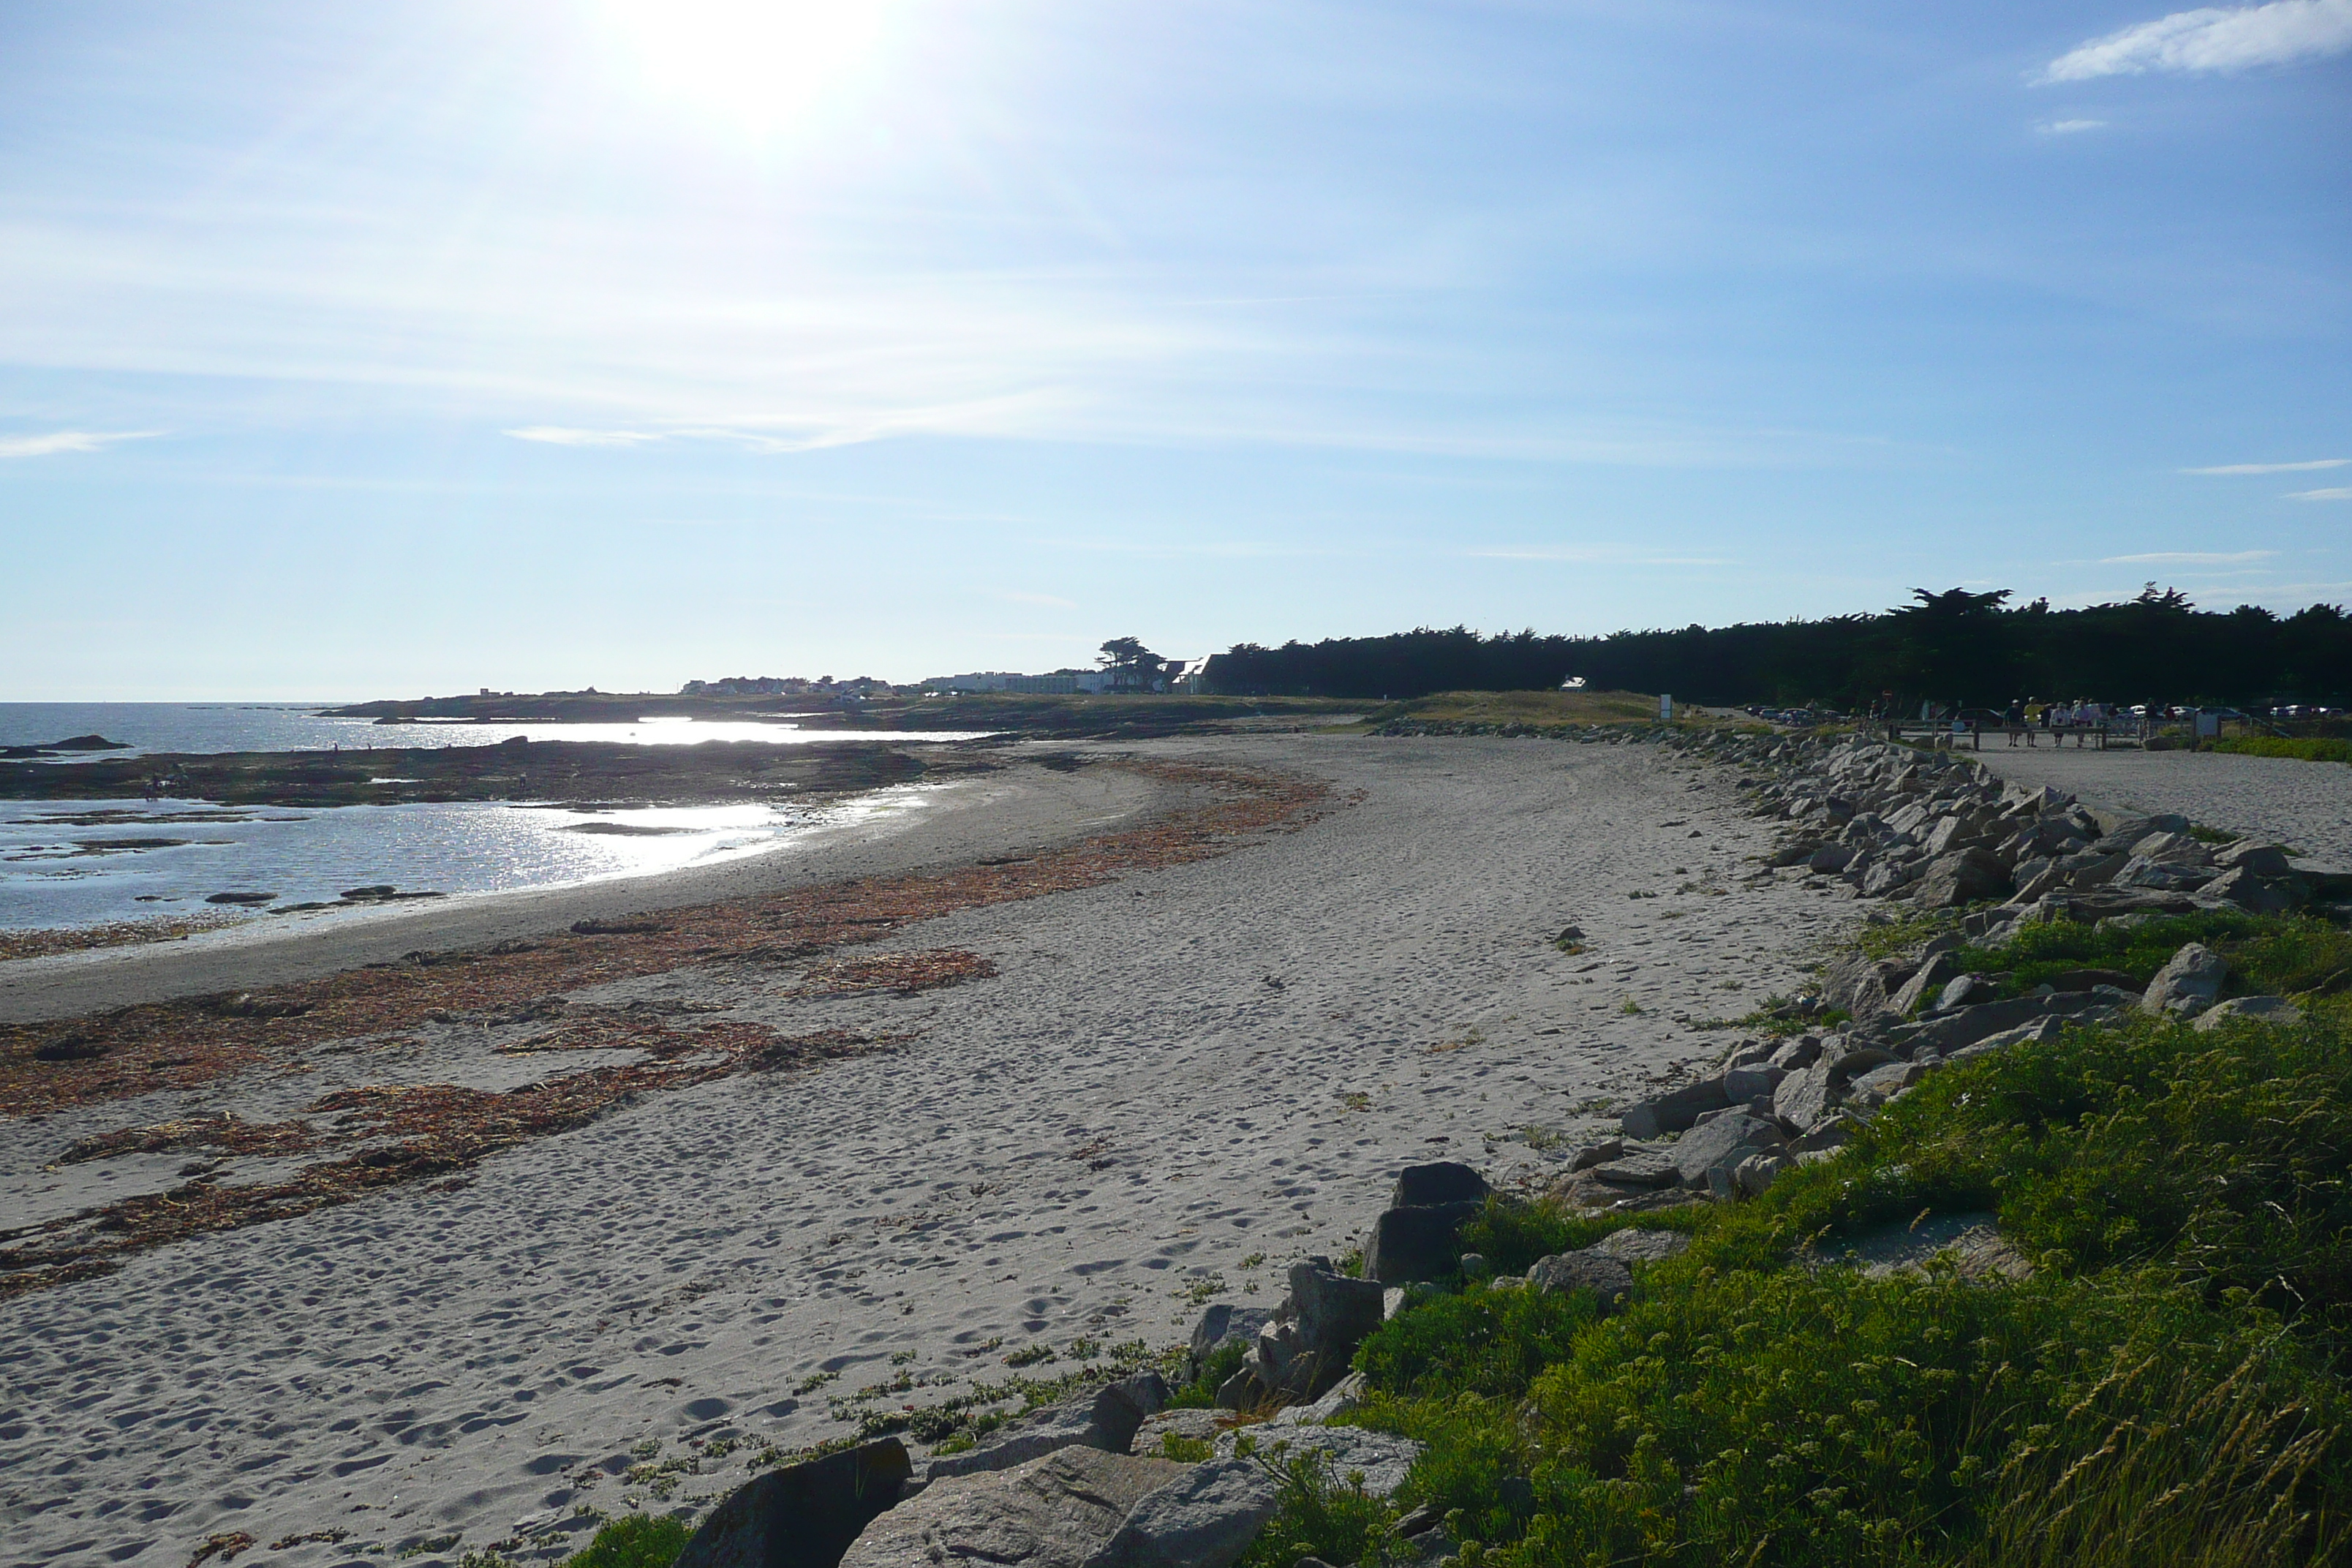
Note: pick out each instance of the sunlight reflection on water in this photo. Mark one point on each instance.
(70, 863)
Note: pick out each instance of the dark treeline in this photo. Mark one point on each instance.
(1953, 647)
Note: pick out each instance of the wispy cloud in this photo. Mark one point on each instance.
(565, 435)
(2070, 127)
(1047, 601)
(57, 441)
(2275, 468)
(2189, 558)
(2339, 492)
(2210, 39)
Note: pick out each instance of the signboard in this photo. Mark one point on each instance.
(2209, 726)
(1665, 708)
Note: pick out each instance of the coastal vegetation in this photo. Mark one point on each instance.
(1956, 645)
(2165, 1386)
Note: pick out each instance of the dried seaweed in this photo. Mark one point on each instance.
(389, 1136)
(902, 974)
(395, 1135)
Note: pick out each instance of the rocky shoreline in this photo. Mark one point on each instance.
(1127, 1474)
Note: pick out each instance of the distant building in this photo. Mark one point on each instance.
(747, 685)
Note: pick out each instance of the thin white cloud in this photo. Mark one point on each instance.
(2070, 127)
(2275, 468)
(2339, 492)
(2210, 39)
(1047, 601)
(565, 435)
(58, 441)
(2187, 558)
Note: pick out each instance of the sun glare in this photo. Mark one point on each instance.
(761, 66)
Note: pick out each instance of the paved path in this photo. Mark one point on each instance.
(2305, 805)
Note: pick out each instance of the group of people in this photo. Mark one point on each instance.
(2030, 716)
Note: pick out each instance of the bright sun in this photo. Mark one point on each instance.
(760, 65)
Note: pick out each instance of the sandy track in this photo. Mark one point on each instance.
(1182, 1080)
(2305, 805)
(1025, 808)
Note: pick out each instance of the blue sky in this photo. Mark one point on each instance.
(416, 347)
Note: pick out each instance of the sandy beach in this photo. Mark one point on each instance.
(1173, 1084)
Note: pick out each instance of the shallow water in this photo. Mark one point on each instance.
(297, 726)
(76, 863)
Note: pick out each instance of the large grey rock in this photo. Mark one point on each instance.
(1439, 1181)
(1754, 1176)
(1925, 982)
(1965, 991)
(2269, 1009)
(1407, 1245)
(1881, 1084)
(1674, 1111)
(1884, 878)
(2251, 854)
(1639, 1168)
(1743, 1084)
(1830, 858)
(1632, 1246)
(1722, 1143)
(1805, 1099)
(1381, 1458)
(1223, 1323)
(1306, 1349)
(2252, 891)
(1949, 1033)
(1606, 1276)
(1103, 1418)
(804, 1516)
(2162, 875)
(1203, 1518)
(1057, 1512)
(1962, 877)
(2190, 982)
(2123, 833)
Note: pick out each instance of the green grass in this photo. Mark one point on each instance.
(2166, 1390)
(634, 1540)
(2268, 956)
(2310, 751)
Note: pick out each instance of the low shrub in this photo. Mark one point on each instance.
(2268, 955)
(2167, 1388)
(633, 1541)
(2313, 749)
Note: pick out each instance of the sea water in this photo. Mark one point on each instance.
(89, 862)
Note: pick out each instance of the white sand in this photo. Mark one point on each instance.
(1173, 1076)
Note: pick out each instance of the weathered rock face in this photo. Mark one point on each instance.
(1057, 1512)
(1307, 1346)
(1630, 1247)
(1963, 877)
(1674, 1111)
(1102, 1419)
(2189, 982)
(2269, 1009)
(1439, 1181)
(1606, 1276)
(2254, 892)
(1223, 1323)
(1204, 1519)
(2247, 855)
(1721, 1145)
(1409, 1244)
(804, 1516)
(1926, 982)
